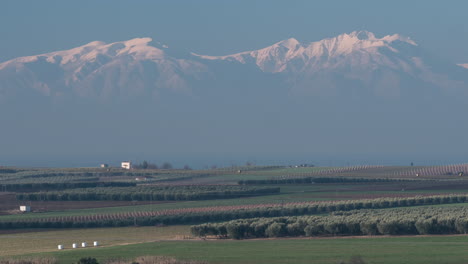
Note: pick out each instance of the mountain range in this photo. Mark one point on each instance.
(353, 94)
(355, 64)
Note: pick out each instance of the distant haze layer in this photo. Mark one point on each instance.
(354, 95)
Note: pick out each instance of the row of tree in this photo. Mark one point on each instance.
(145, 165)
(312, 180)
(43, 186)
(418, 221)
(149, 193)
(221, 214)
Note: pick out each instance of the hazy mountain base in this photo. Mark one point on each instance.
(243, 123)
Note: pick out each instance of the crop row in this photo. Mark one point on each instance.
(454, 169)
(226, 213)
(150, 193)
(418, 221)
(311, 180)
(21, 187)
(342, 169)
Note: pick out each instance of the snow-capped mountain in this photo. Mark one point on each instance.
(350, 63)
(356, 64)
(97, 69)
(292, 56)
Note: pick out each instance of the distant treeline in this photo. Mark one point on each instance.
(88, 174)
(311, 180)
(44, 186)
(217, 215)
(7, 170)
(149, 193)
(419, 221)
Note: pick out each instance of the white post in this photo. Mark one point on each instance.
(74, 245)
(60, 247)
(96, 243)
(84, 244)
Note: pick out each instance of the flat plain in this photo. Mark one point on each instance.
(128, 234)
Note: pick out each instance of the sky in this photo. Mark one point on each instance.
(215, 27)
(223, 27)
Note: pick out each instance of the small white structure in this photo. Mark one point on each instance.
(96, 243)
(141, 179)
(74, 245)
(60, 247)
(84, 244)
(25, 208)
(104, 165)
(126, 165)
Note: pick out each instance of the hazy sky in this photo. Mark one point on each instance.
(221, 27)
(218, 27)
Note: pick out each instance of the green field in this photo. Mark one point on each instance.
(381, 250)
(176, 241)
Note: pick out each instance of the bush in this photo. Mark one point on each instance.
(88, 260)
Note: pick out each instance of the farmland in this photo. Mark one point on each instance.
(380, 250)
(69, 204)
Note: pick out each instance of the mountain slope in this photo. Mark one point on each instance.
(354, 63)
(99, 70)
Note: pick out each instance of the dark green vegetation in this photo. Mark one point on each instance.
(149, 193)
(263, 202)
(419, 221)
(46, 186)
(313, 180)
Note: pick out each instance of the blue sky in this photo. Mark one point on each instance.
(221, 27)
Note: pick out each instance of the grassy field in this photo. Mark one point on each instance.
(130, 242)
(43, 241)
(377, 250)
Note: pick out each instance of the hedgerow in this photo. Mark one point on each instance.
(420, 221)
(150, 193)
(21, 187)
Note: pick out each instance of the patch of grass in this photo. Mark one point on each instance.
(25, 243)
(381, 250)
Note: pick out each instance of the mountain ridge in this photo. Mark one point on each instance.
(356, 63)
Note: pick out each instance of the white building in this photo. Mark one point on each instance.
(25, 208)
(126, 165)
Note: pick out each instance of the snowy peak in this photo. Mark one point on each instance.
(137, 48)
(291, 55)
(290, 43)
(362, 35)
(98, 69)
(355, 41)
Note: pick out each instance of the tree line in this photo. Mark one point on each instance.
(149, 193)
(420, 221)
(312, 180)
(42, 186)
